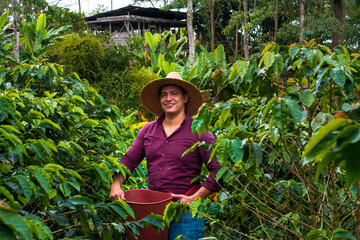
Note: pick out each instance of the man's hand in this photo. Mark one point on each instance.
(202, 192)
(116, 193)
(183, 198)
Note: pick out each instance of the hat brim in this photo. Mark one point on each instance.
(149, 95)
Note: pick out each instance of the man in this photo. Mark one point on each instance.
(164, 141)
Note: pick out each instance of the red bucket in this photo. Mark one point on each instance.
(144, 202)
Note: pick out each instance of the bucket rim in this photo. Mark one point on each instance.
(168, 199)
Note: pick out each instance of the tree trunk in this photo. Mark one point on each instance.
(79, 6)
(339, 11)
(302, 19)
(237, 33)
(190, 32)
(16, 32)
(276, 20)
(212, 28)
(246, 44)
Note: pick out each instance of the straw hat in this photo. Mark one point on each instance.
(149, 94)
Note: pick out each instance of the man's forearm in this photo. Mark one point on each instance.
(202, 192)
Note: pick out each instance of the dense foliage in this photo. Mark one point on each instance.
(60, 143)
(286, 122)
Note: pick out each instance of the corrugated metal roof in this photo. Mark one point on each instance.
(140, 11)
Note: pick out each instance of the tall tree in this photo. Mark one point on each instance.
(338, 34)
(79, 6)
(16, 30)
(276, 19)
(190, 32)
(211, 4)
(246, 43)
(302, 19)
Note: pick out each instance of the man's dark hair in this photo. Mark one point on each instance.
(182, 89)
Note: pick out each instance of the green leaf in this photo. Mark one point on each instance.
(43, 179)
(278, 65)
(346, 107)
(34, 114)
(342, 233)
(274, 135)
(26, 186)
(6, 232)
(314, 234)
(15, 222)
(126, 207)
(269, 59)
(65, 189)
(81, 200)
(338, 76)
(323, 132)
(242, 68)
(256, 152)
(293, 51)
(221, 172)
(118, 210)
(149, 39)
(307, 97)
(222, 151)
(294, 109)
(267, 109)
(50, 124)
(219, 57)
(155, 220)
(59, 218)
(280, 114)
(236, 151)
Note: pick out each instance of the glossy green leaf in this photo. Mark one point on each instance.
(155, 220)
(43, 179)
(278, 65)
(242, 68)
(338, 76)
(118, 210)
(6, 232)
(15, 222)
(293, 51)
(26, 186)
(81, 200)
(269, 59)
(344, 234)
(126, 207)
(236, 151)
(307, 97)
(222, 151)
(59, 218)
(294, 109)
(323, 132)
(256, 152)
(267, 109)
(280, 114)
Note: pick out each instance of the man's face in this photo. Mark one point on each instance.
(172, 99)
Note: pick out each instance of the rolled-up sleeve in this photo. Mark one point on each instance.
(136, 153)
(213, 166)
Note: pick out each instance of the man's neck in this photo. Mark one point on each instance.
(174, 120)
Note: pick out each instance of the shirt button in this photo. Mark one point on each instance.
(163, 155)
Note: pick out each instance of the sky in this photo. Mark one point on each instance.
(89, 5)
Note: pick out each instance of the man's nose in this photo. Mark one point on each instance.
(168, 97)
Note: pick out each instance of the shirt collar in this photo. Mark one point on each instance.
(162, 117)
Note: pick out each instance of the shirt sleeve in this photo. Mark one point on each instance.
(213, 166)
(136, 153)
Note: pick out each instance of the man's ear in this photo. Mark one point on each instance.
(186, 98)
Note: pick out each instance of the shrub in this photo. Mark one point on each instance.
(82, 54)
(123, 89)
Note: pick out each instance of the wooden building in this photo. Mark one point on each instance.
(133, 20)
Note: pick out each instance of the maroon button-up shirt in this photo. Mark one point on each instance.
(168, 171)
